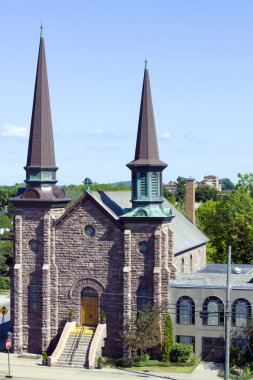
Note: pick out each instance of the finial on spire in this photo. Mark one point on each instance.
(41, 30)
(146, 64)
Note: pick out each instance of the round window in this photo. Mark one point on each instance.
(89, 230)
(144, 247)
(34, 245)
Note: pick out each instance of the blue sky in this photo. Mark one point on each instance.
(200, 60)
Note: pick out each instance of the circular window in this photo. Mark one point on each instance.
(144, 247)
(34, 245)
(89, 231)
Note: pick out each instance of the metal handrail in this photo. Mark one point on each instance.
(75, 343)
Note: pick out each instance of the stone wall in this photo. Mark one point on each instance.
(97, 262)
(191, 260)
(155, 265)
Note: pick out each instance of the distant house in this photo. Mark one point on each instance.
(171, 186)
(213, 181)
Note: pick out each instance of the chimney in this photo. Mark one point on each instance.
(190, 199)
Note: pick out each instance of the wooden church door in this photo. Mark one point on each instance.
(89, 307)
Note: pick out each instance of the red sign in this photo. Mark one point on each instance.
(8, 344)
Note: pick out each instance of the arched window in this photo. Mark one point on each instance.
(241, 312)
(143, 298)
(34, 293)
(182, 266)
(185, 311)
(213, 309)
(191, 264)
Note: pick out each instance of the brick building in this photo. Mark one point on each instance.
(111, 251)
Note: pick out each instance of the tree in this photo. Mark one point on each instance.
(226, 184)
(6, 255)
(169, 196)
(181, 189)
(205, 193)
(167, 340)
(228, 221)
(144, 332)
(245, 182)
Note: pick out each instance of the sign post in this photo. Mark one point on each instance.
(8, 346)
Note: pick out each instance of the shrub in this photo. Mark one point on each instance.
(125, 362)
(103, 315)
(181, 352)
(100, 360)
(5, 283)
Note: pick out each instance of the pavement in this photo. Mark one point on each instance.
(29, 368)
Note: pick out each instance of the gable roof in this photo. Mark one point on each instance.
(186, 235)
(84, 198)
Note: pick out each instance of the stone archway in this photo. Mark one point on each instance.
(89, 308)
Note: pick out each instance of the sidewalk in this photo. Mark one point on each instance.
(31, 369)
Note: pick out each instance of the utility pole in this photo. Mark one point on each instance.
(227, 316)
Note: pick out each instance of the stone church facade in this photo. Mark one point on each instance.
(110, 251)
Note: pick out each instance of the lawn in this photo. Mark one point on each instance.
(171, 369)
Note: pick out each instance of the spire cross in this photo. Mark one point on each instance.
(146, 64)
(41, 30)
(87, 183)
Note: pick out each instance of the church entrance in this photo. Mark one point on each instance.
(89, 298)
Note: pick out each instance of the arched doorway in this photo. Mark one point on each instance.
(89, 300)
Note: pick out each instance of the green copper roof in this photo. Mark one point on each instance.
(148, 212)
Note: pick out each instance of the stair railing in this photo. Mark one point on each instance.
(75, 345)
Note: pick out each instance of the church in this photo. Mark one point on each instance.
(110, 251)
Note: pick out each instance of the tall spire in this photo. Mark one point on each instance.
(146, 152)
(146, 167)
(41, 165)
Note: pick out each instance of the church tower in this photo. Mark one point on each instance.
(147, 167)
(148, 240)
(34, 279)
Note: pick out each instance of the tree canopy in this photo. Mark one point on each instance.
(144, 332)
(226, 184)
(229, 221)
(204, 193)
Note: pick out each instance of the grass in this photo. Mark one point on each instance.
(232, 376)
(151, 365)
(171, 369)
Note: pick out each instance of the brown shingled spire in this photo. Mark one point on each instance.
(41, 169)
(146, 167)
(41, 142)
(146, 152)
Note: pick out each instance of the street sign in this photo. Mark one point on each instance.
(3, 310)
(8, 344)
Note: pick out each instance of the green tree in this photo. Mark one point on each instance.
(245, 182)
(169, 196)
(144, 332)
(204, 193)
(226, 184)
(167, 340)
(6, 255)
(228, 221)
(181, 189)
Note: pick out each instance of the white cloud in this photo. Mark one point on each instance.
(14, 131)
(166, 136)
